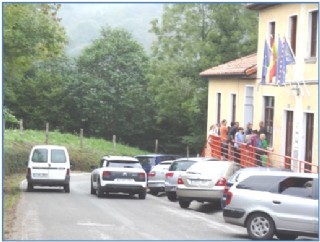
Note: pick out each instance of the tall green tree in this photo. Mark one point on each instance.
(190, 39)
(109, 96)
(32, 34)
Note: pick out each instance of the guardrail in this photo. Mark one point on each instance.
(249, 156)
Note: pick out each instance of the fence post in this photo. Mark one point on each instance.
(21, 128)
(47, 133)
(114, 141)
(81, 138)
(156, 146)
(187, 150)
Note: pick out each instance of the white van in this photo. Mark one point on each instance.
(48, 165)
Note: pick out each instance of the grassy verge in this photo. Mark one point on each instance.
(11, 197)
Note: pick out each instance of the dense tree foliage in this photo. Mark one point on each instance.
(190, 39)
(109, 96)
(113, 87)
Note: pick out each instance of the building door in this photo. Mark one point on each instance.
(289, 132)
(309, 140)
(248, 106)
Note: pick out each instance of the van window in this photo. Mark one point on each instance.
(40, 156)
(58, 156)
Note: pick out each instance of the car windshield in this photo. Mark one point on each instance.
(124, 164)
(40, 155)
(181, 165)
(147, 160)
(58, 156)
(209, 168)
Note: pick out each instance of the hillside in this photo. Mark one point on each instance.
(16, 149)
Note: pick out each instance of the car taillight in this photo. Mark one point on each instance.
(226, 189)
(68, 172)
(152, 173)
(228, 197)
(29, 172)
(106, 173)
(142, 175)
(180, 181)
(169, 174)
(221, 182)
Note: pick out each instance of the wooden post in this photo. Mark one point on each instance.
(114, 141)
(156, 146)
(47, 133)
(81, 138)
(187, 150)
(21, 128)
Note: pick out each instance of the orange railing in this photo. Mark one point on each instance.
(249, 156)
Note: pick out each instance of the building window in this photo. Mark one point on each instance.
(233, 107)
(248, 105)
(269, 113)
(293, 32)
(218, 108)
(313, 35)
(272, 32)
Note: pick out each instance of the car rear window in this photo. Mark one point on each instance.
(182, 165)
(123, 164)
(147, 160)
(260, 183)
(40, 156)
(58, 156)
(210, 168)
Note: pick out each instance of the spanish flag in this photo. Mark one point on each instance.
(273, 70)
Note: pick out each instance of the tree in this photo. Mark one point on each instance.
(190, 39)
(32, 33)
(110, 95)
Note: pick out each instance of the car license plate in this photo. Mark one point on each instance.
(42, 175)
(198, 182)
(124, 180)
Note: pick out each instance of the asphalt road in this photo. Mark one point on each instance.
(51, 214)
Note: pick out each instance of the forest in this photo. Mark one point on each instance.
(114, 86)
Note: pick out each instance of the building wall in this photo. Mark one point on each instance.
(303, 74)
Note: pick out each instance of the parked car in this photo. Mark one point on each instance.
(48, 165)
(204, 181)
(178, 167)
(119, 174)
(151, 160)
(243, 174)
(284, 204)
(156, 177)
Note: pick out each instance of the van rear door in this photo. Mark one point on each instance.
(40, 163)
(59, 164)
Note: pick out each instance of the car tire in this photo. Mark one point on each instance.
(142, 195)
(29, 187)
(184, 203)
(67, 188)
(282, 236)
(171, 196)
(92, 190)
(260, 226)
(154, 192)
(99, 190)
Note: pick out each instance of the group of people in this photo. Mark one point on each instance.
(236, 135)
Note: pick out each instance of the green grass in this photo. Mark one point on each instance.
(16, 149)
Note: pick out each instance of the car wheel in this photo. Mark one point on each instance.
(99, 190)
(92, 191)
(142, 195)
(184, 204)
(29, 187)
(154, 192)
(172, 196)
(67, 188)
(282, 236)
(260, 227)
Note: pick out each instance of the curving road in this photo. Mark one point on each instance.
(51, 214)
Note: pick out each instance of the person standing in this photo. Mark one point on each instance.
(249, 129)
(238, 140)
(224, 137)
(262, 129)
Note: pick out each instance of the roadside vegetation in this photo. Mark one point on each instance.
(16, 150)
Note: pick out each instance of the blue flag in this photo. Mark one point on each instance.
(285, 57)
(266, 62)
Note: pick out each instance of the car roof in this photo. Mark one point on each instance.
(196, 159)
(120, 158)
(156, 155)
(49, 147)
(263, 169)
(166, 162)
(286, 173)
